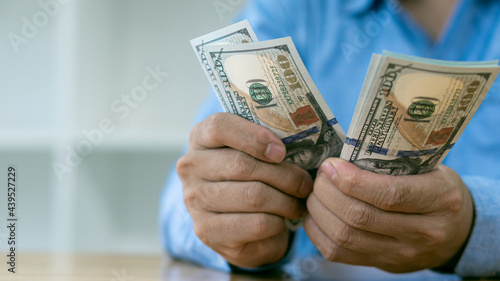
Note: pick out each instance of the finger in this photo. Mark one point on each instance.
(398, 261)
(225, 129)
(345, 235)
(235, 230)
(330, 250)
(245, 197)
(363, 216)
(413, 194)
(232, 165)
(254, 253)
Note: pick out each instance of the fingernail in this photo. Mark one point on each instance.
(275, 152)
(306, 187)
(329, 170)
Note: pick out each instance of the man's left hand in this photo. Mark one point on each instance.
(395, 223)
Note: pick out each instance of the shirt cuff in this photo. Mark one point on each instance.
(481, 258)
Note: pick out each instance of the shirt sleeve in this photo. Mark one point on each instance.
(269, 18)
(481, 256)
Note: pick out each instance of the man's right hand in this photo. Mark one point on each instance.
(238, 189)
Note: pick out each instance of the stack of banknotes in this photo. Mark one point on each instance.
(410, 113)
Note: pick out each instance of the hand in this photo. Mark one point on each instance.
(238, 191)
(395, 223)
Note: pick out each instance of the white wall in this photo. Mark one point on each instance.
(64, 80)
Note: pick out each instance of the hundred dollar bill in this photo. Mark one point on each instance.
(271, 87)
(237, 33)
(411, 112)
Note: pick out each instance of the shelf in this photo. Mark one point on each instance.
(116, 142)
(27, 140)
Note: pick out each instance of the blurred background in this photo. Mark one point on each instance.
(91, 147)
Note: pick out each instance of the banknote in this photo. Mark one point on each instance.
(270, 86)
(411, 112)
(238, 33)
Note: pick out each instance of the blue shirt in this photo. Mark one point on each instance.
(336, 40)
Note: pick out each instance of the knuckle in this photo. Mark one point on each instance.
(343, 236)
(406, 255)
(191, 198)
(211, 192)
(455, 195)
(235, 253)
(242, 252)
(213, 126)
(255, 196)
(183, 166)
(215, 119)
(435, 237)
(231, 245)
(242, 167)
(394, 197)
(359, 216)
(453, 201)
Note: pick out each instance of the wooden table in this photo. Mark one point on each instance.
(45, 267)
(51, 267)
